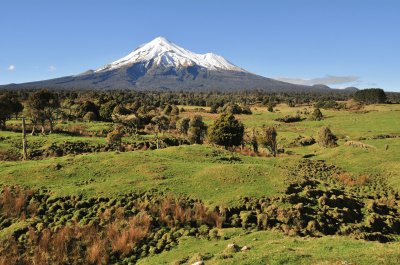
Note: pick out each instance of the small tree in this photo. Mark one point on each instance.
(167, 109)
(317, 115)
(175, 110)
(226, 131)
(197, 130)
(42, 106)
(115, 137)
(267, 138)
(90, 116)
(182, 125)
(106, 110)
(5, 110)
(326, 138)
(87, 106)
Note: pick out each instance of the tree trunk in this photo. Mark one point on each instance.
(51, 126)
(33, 128)
(24, 145)
(43, 129)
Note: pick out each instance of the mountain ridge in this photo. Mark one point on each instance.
(163, 65)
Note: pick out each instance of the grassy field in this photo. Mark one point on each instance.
(269, 247)
(198, 171)
(221, 178)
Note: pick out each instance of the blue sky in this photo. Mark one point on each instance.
(339, 43)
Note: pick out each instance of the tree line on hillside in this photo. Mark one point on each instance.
(44, 108)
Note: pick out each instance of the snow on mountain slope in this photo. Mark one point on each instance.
(162, 52)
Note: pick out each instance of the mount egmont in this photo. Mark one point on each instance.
(163, 65)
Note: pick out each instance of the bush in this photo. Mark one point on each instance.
(90, 116)
(197, 130)
(326, 138)
(267, 138)
(226, 131)
(370, 96)
(289, 118)
(317, 115)
(115, 137)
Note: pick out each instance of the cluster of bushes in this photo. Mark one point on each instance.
(97, 230)
(371, 96)
(290, 118)
(330, 104)
(231, 108)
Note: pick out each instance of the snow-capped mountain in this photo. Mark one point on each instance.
(163, 65)
(164, 53)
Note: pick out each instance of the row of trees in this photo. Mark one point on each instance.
(9, 106)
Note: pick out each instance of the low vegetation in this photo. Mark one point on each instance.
(120, 177)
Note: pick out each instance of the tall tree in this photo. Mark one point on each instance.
(197, 130)
(42, 106)
(5, 110)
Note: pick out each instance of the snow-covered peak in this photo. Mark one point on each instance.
(163, 52)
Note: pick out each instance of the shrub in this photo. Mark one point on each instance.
(317, 115)
(197, 130)
(267, 138)
(90, 116)
(115, 137)
(370, 96)
(326, 138)
(226, 131)
(182, 125)
(289, 118)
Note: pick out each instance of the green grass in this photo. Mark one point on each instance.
(186, 170)
(200, 171)
(269, 247)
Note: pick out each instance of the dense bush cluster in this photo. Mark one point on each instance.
(370, 96)
(320, 199)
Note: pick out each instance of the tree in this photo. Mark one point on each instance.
(326, 138)
(226, 131)
(371, 96)
(106, 110)
(87, 106)
(267, 138)
(161, 123)
(175, 110)
(131, 122)
(16, 106)
(182, 125)
(317, 115)
(5, 110)
(42, 106)
(197, 130)
(167, 109)
(90, 116)
(115, 137)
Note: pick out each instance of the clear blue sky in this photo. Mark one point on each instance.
(336, 42)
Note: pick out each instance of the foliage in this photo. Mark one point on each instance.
(197, 130)
(106, 110)
(267, 138)
(371, 96)
(182, 125)
(226, 131)
(90, 116)
(326, 138)
(317, 115)
(42, 106)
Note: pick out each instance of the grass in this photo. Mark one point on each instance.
(269, 247)
(209, 174)
(187, 170)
